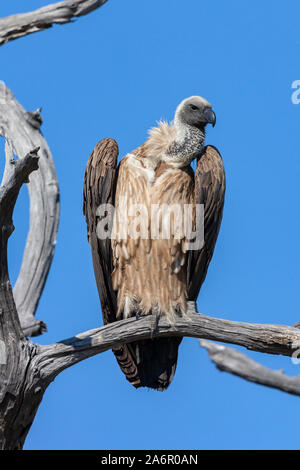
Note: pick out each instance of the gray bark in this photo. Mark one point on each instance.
(15, 351)
(22, 132)
(16, 26)
(36, 366)
(233, 361)
(270, 339)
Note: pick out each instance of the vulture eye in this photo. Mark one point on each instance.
(193, 107)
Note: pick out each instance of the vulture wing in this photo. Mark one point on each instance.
(210, 191)
(99, 188)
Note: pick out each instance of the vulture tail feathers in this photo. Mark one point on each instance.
(156, 361)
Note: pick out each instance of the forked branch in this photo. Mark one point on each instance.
(16, 173)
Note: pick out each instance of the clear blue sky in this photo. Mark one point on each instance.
(114, 73)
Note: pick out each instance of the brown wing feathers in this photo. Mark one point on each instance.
(210, 191)
(99, 188)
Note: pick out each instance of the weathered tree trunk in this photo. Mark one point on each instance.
(16, 410)
(19, 397)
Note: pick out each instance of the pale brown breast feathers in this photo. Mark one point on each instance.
(150, 259)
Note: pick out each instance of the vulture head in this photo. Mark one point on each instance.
(195, 111)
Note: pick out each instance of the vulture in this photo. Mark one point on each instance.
(141, 271)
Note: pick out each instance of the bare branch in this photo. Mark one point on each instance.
(232, 361)
(271, 339)
(21, 130)
(38, 365)
(15, 26)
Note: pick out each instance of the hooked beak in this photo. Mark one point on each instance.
(209, 116)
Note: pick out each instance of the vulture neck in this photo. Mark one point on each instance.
(188, 144)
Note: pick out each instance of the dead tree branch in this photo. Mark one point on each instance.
(271, 339)
(38, 365)
(22, 133)
(15, 26)
(233, 361)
